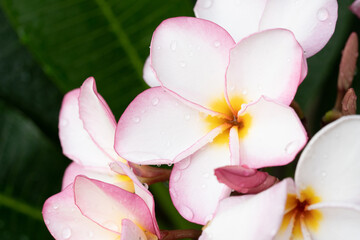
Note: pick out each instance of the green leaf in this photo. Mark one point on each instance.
(107, 39)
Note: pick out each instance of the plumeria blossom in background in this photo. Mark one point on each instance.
(87, 131)
(218, 104)
(323, 203)
(312, 22)
(355, 8)
(91, 209)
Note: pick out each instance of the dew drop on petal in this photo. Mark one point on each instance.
(146, 185)
(66, 233)
(91, 234)
(155, 101)
(206, 175)
(187, 213)
(170, 164)
(173, 45)
(47, 221)
(55, 206)
(291, 147)
(177, 176)
(64, 122)
(217, 44)
(244, 92)
(182, 64)
(203, 186)
(136, 119)
(187, 117)
(207, 3)
(323, 174)
(158, 165)
(322, 14)
(184, 163)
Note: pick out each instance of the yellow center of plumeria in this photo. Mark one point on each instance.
(242, 122)
(296, 211)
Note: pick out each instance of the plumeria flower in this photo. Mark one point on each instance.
(322, 204)
(87, 132)
(218, 104)
(312, 22)
(91, 209)
(355, 8)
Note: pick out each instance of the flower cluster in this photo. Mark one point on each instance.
(219, 108)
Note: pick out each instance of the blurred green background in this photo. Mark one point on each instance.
(48, 47)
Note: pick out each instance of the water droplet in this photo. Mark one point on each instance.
(207, 3)
(323, 14)
(56, 206)
(206, 175)
(291, 147)
(146, 185)
(155, 101)
(170, 164)
(168, 144)
(91, 234)
(323, 174)
(158, 47)
(217, 44)
(203, 186)
(232, 88)
(187, 213)
(173, 45)
(136, 119)
(63, 122)
(158, 165)
(244, 92)
(191, 54)
(260, 87)
(177, 176)
(112, 226)
(47, 221)
(182, 64)
(184, 163)
(187, 116)
(66, 233)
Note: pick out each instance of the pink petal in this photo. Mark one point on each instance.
(97, 117)
(312, 23)
(256, 217)
(274, 137)
(240, 18)
(108, 205)
(75, 140)
(267, 64)
(355, 8)
(65, 221)
(190, 57)
(157, 128)
(330, 162)
(140, 190)
(194, 189)
(149, 74)
(131, 231)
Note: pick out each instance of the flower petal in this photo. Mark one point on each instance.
(338, 223)
(267, 64)
(355, 8)
(330, 163)
(190, 55)
(274, 137)
(131, 231)
(64, 220)
(157, 128)
(97, 117)
(194, 189)
(149, 74)
(240, 18)
(251, 217)
(108, 205)
(313, 23)
(75, 140)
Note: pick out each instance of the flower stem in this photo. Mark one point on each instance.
(180, 234)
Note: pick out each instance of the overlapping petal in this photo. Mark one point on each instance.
(157, 128)
(269, 64)
(131, 231)
(190, 56)
(149, 74)
(277, 129)
(332, 157)
(355, 8)
(194, 189)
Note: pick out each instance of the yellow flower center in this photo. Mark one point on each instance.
(230, 117)
(296, 210)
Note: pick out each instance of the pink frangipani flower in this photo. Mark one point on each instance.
(312, 22)
(219, 102)
(322, 204)
(355, 8)
(87, 132)
(91, 209)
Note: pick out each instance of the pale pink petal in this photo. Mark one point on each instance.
(274, 137)
(97, 117)
(240, 18)
(149, 74)
(285, 234)
(65, 221)
(194, 189)
(313, 22)
(355, 8)
(157, 128)
(338, 223)
(256, 217)
(130, 231)
(190, 57)
(75, 140)
(140, 190)
(330, 162)
(108, 205)
(267, 64)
